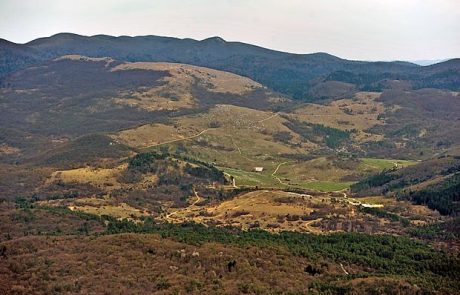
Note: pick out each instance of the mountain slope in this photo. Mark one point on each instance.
(16, 56)
(435, 183)
(102, 94)
(292, 74)
(75, 95)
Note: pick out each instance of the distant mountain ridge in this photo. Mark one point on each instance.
(292, 74)
(429, 62)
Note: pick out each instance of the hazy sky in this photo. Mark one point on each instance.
(354, 29)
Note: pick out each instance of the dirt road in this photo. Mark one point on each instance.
(266, 119)
(276, 170)
(309, 228)
(176, 140)
(191, 208)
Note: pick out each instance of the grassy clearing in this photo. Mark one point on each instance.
(121, 210)
(95, 176)
(327, 186)
(381, 164)
(266, 208)
(320, 169)
(245, 178)
(360, 113)
(96, 206)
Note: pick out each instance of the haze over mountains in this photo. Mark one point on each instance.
(297, 75)
(429, 62)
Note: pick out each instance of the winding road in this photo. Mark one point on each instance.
(309, 228)
(196, 201)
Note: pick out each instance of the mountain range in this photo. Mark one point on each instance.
(297, 75)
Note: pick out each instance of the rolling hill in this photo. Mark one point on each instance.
(292, 74)
(162, 165)
(72, 96)
(435, 183)
(232, 121)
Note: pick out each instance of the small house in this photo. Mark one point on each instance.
(258, 169)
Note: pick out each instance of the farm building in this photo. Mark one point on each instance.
(258, 169)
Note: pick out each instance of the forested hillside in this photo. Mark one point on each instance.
(297, 75)
(435, 183)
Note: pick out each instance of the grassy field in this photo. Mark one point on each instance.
(97, 206)
(326, 186)
(177, 91)
(359, 113)
(318, 174)
(381, 164)
(94, 176)
(239, 139)
(245, 178)
(121, 211)
(276, 210)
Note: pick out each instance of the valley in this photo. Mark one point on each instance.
(156, 161)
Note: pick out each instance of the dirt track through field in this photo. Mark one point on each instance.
(198, 199)
(179, 139)
(311, 229)
(276, 170)
(266, 119)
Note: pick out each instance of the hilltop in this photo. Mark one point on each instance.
(295, 75)
(82, 95)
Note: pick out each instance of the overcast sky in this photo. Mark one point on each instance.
(354, 29)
